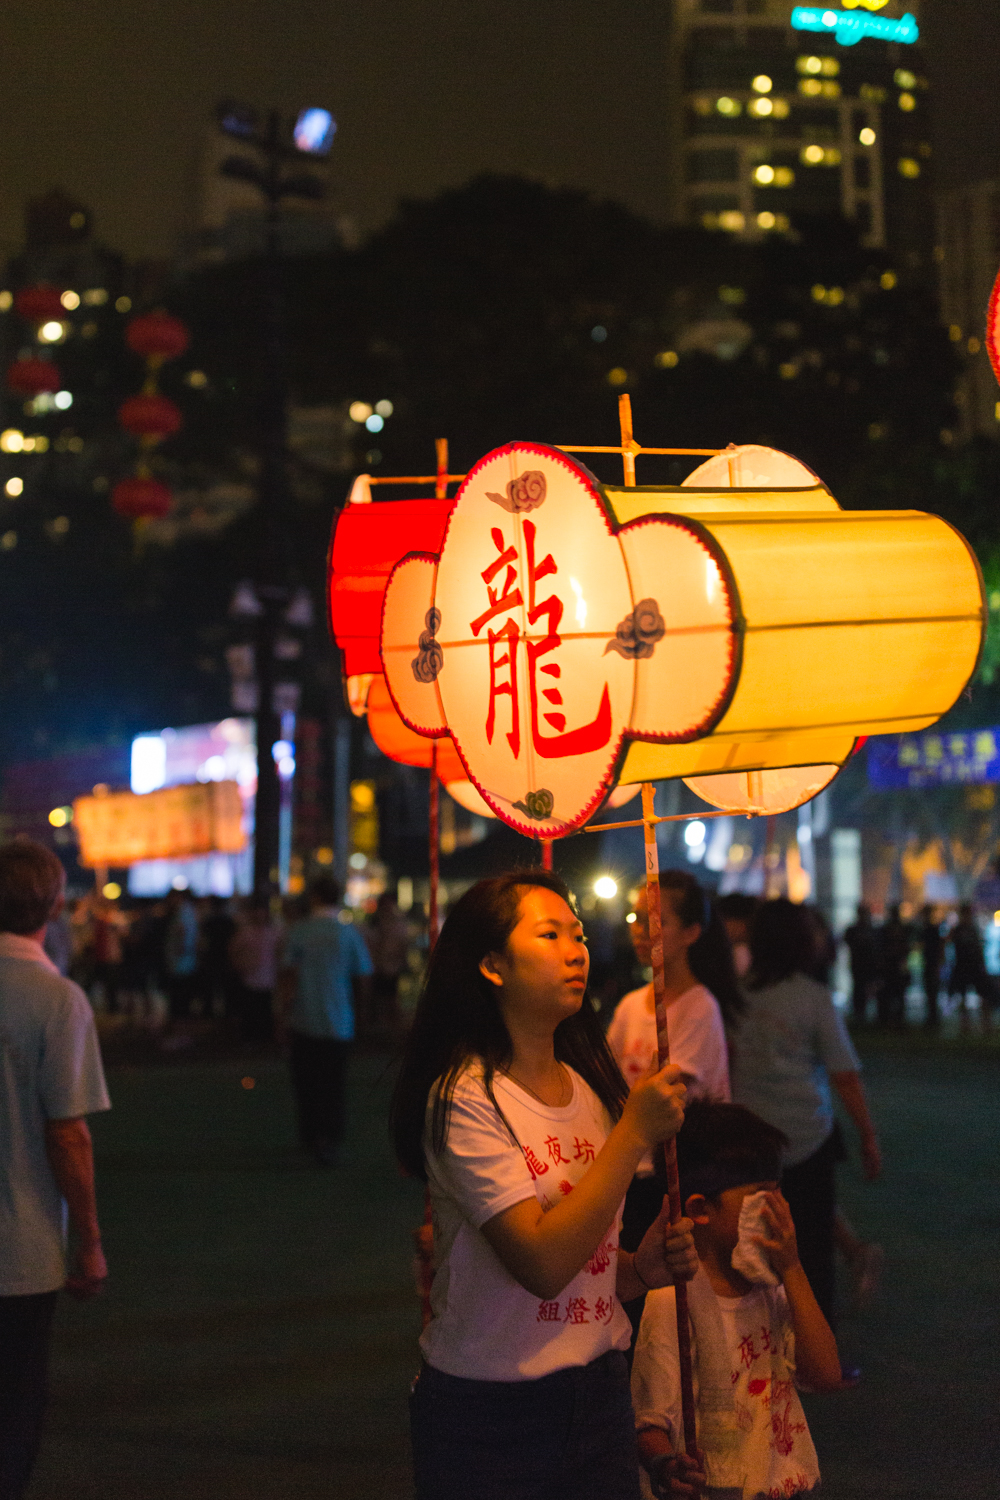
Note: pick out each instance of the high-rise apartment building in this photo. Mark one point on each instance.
(773, 123)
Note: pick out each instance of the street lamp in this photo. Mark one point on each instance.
(277, 145)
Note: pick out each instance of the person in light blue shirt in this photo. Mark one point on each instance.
(324, 967)
(788, 1048)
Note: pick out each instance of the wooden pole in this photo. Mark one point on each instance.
(441, 482)
(547, 854)
(433, 849)
(669, 1147)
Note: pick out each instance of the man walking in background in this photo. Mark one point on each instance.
(325, 969)
(50, 1079)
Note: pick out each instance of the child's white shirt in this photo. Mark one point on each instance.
(774, 1455)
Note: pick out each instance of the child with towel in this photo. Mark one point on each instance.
(757, 1328)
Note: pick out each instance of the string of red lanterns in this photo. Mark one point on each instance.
(29, 375)
(149, 416)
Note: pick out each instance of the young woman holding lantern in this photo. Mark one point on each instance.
(512, 1109)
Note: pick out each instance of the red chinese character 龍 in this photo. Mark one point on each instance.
(536, 1166)
(588, 737)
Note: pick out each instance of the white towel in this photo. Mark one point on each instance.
(749, 1258)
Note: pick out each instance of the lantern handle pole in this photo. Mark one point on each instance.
(433, 849)
(441, 487)
(547, 853)
(650, 821)
(434, 479)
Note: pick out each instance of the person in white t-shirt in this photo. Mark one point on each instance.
(512, 1109)
(758, 1331)
(702, 995)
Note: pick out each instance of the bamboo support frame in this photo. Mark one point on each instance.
(649, 821)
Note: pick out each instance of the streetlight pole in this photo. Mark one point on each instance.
(274, 146)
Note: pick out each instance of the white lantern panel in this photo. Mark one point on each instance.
(682, 684)
(762, 792)
(465, 794)
(751, 466)
(534, 596)
(411, 653)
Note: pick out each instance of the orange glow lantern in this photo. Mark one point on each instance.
(569, 635)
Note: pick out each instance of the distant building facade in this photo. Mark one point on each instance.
(772, 124)
(968, 255)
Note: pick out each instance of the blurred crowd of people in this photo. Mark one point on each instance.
(166, 963)
(952, 964)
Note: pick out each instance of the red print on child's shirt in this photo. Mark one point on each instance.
(577, 1309)
(555, 1150)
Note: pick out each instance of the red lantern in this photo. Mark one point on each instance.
(30, 377)
(157, 335)
(150, 416)
(139, 497)
(39, 304)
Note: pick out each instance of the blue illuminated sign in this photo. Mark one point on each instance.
(850, 28)
(970, 756)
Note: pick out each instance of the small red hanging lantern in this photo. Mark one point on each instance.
(158, 336)
(30, 377)
(39, 304)
(150, 415)
(140, 497)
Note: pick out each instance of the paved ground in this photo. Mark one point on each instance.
(258, 1336)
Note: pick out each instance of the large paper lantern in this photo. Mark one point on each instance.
(993, 328)
(570, 635)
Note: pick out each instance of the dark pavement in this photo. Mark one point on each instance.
(259, 1332)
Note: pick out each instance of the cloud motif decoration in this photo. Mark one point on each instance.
(523, 494)
(430, 658)
(637, 635)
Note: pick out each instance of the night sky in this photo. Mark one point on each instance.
(114, 102)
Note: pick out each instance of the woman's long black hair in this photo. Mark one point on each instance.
(782, 943)
(458, 1020)
(710, 957)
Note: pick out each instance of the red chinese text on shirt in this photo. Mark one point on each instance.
(555, 1149)
(536, 1166)
(577, 1309)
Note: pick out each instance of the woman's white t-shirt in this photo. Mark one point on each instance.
(485, 1326)
(697, 1044)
